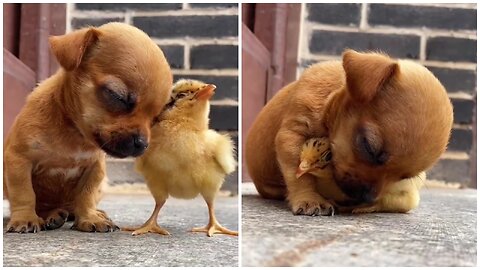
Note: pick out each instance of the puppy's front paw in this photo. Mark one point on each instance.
(97, 222)
(25, 223)
(312, 207)
(56, 218)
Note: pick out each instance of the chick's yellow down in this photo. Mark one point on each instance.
(401, 196)
(185, 158)
(315, 160)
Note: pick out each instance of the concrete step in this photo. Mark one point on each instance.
(121, 171)
(66, 247)
(440, 232)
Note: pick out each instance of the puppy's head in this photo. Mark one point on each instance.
(392, 121)
(117, 81)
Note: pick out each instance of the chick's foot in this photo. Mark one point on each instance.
(147, 228)
(215, 228)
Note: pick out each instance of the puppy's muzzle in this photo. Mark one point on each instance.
(356, 189)
(122, 146)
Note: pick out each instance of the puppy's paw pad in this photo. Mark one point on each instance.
(308, 208)
(95, 224)
(313, 206)
(95, 227)
(31, 224)
(56, 219)
(327, 209)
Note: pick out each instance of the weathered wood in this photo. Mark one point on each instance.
(18, 82)
(11, 27)
(256, 70)
(39, 21)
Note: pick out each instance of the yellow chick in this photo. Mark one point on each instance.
(398, 197)
(401, 196)
(186, 158)
(315, 159)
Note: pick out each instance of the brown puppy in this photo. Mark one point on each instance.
(386, 120)
(114, 80)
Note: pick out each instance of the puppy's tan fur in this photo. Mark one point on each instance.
(53, 162)
(399, 107)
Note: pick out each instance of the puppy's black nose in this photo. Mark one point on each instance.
(357, 190)
(139, 144)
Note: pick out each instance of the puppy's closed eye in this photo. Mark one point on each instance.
(370, 147)
(117, 102)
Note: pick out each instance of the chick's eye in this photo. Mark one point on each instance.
(155, 120)
(181, 95)
(327, 156)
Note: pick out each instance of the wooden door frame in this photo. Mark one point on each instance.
(38, 23)
(26, 54)
(270, 36)
(277, 26)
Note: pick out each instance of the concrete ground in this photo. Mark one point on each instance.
(65, 247)
(442, 231)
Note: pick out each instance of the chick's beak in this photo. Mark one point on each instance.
(206, 92)
(302, 169)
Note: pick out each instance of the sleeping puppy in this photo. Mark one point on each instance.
(112, 82)
(386, 120)
(397, 197)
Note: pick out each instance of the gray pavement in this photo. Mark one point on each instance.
(65, 247)
(441, 232)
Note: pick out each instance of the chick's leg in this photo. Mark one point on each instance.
(213, 226)
(151, 225)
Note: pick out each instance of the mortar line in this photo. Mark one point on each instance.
(188, 12)
(451, 65)
(364, 17)
(423, 48)
(128, 17)
(193, 41)
(392, 30)
(70, 10)
(211, 72)
(186, 56)
(301, 38)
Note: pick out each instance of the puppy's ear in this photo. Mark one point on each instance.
(69, 49)
(367, 73)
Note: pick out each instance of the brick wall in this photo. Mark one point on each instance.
(200, 41)
(440, 36)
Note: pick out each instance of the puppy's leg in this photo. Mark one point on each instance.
(55, 218)
(21, 195)
(302, 195)
(87, 217)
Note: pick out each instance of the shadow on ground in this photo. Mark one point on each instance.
(65, 247)
(440, 232)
